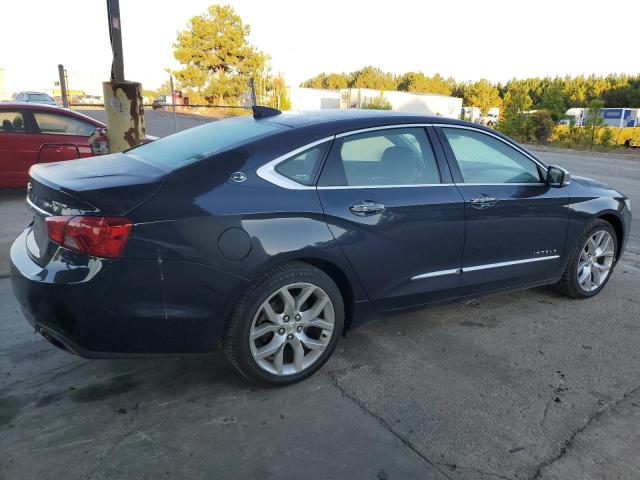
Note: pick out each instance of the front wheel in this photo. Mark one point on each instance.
(286, 326)
(591, 261)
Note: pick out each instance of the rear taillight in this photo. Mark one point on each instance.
(96, 236)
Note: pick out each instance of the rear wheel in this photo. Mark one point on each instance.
(286, 326)
(591, 261)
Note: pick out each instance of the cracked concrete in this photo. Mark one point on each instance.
(606, 446)
(524, 386)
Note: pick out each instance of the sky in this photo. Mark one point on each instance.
(467, 40)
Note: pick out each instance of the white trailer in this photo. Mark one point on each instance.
(611, 117)
(426, 103)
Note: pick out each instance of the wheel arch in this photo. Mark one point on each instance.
(617, 225)
(343, 282)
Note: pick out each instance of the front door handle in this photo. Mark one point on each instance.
(367, 207)
(483, 201)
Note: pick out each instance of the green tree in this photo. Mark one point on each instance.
(482, 94)
(516, 102)
(216, 57)
(595, 120)
(336, 81)
(278, 95)
(374, 78)
(377, 103)
(539, 126)
(606, 139)
(419, 82)
(552, 100)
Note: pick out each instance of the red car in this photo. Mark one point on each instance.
(36, 133)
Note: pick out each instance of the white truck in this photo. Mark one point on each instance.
(492, 117)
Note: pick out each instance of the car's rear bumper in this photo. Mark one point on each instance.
(128, 307)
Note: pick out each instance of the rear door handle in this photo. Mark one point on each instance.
(483, 201)
(367, 207)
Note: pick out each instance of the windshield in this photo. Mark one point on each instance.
(196, 143)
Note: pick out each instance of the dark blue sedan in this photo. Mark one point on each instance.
(272, 236)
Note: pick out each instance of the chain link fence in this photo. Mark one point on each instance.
(163, 120)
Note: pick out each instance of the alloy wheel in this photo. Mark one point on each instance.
(292, 328)
(596, 260)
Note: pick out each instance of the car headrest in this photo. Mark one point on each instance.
(7, 126)
(399, 164)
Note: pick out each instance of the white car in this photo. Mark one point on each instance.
(35, 97)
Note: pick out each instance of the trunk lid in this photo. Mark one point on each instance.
(109, 185)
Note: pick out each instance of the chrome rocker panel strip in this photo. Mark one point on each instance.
(458, 271)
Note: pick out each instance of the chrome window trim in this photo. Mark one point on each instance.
(351, 187)
(483, 267)
(268, 170)
(538, 184)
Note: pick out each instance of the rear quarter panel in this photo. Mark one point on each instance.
(197, 205)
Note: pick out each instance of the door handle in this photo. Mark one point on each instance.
(367, 207)
(483, 201)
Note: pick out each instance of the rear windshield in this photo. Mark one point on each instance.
(196, 143)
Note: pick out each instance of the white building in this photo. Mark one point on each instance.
(313, 98)
(425, 103)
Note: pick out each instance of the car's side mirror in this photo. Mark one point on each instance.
(557, 176)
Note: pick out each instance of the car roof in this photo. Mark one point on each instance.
(336, 121)
(49, 108)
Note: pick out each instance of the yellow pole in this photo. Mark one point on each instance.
(125, 115)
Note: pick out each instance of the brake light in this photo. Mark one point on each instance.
(96, 236)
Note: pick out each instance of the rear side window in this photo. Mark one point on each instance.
(485, 159)
(397, 156)
(199, 142)
(303, 167)
(63, 125)
(11, 122)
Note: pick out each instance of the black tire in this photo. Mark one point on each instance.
(236, 343)
(568, 284)
(627, 144)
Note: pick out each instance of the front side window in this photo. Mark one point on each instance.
(397, 156)
(11, 122)
(483, 158)
(302, 168)
(63, 125)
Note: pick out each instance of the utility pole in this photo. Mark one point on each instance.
(63, 86)
(252, 88)
(173, 103)
(122, 99)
